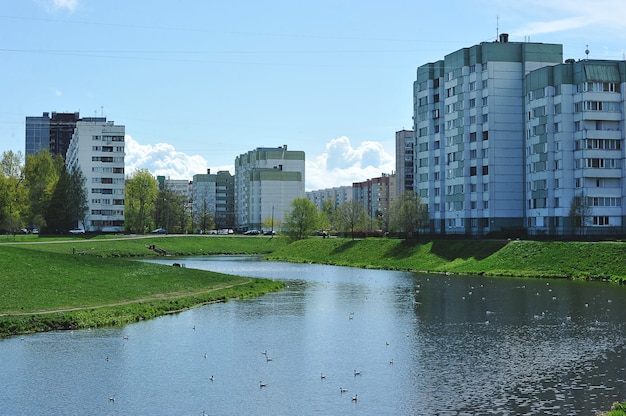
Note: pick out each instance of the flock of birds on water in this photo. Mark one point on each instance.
(262, 384)
(357, 373)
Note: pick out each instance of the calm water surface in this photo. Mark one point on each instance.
(423, 344)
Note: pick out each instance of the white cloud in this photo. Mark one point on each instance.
(55, 5)
(569, 15)
(341, 164)
(162, 159)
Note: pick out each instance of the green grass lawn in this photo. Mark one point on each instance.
(52, 285)
(581, 260)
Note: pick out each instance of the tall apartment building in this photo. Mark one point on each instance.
(574, 130)
(214, 194)
(339, 195)
(404, 160)
(97, 148)
(376, 195)
(52, 132)
(266, 181)
(469, 123)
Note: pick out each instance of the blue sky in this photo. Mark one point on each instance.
(198, 82)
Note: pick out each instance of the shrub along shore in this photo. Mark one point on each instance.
(82, 282)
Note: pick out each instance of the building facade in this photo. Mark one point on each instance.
(376, 195)
(52, 132)
(97, 148)
(575, 150)
(214, 194)
(404, 160)
(469, 128)
(339, 195)
(266, 181)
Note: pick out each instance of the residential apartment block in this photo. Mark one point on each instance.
(97, 148)
(214, 194)
(469, 135)
(266, 181)
(339, 195)
(574, 131)
(404, 160)
(52, 132)
(376, 195)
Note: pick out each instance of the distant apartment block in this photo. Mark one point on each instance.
(97, 148)
(214, 194)
(52, 132)
(180, 187)
(404, 160)
(376, 195)
(339, 195)
(266, 181)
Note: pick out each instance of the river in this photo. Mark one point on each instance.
(399, 343)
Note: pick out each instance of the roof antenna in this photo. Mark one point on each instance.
(587, 51)
(497, 27)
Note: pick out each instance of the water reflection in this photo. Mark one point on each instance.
(423, 345)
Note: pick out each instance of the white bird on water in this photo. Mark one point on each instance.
(355, 397)
(342, 390)
(261, 384)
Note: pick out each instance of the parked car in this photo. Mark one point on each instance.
(269, 232)
(159, 231)
(252, 232)
(77, 231)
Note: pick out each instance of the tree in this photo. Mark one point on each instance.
(350, 216)
(41, 173)
(407, 214)
(301, 220)
(77, 195)
(327, 214)
(13, 201)
(579, 212)
(140, 201)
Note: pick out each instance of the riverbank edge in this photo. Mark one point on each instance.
(604, 261)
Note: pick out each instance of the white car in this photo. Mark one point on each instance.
(77, 231)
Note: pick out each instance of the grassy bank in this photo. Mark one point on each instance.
(48, 286)
(579, 260)
(618, 409)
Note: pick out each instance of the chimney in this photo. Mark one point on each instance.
(504, 37)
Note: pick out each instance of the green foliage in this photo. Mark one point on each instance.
(301, 220)
(140, 199)
(41, 173)
(407, 214)
(351, 216)
(618, 409)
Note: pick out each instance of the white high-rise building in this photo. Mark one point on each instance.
(266, 181)
(97, 148)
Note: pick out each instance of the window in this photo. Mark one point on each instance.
(486, 187)
(485, 170)
(472, 136)
(600, 220)
(472, 85)
(484, 83)
(484, 101)
(485, 135)
(472, 170)
(472, 102)
(473, 153)
(472, 187)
